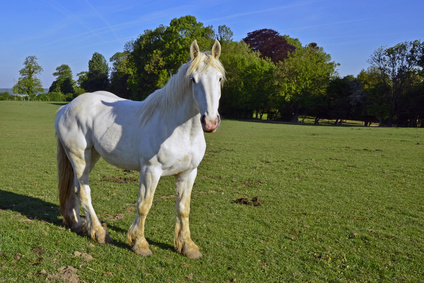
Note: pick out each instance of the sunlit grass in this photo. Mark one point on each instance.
(338, 204)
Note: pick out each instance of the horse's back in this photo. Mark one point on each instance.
(78, 115)
(86, 103)
(90, 99)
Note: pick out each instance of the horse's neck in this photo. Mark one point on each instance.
(182, 106)
(175, 104)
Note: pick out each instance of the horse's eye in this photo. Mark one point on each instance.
(193, 79)
(220, 79)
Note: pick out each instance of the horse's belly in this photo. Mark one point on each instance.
(116, 149)
(122, 162)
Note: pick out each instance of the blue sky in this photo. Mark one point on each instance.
(69, 32)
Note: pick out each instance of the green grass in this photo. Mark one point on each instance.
(338, 204)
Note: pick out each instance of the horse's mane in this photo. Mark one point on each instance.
(209, 61)
(172, 93)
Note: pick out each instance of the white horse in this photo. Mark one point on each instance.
(160, 136)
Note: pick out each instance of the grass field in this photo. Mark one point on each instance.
(338, 204)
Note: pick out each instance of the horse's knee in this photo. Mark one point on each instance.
(144, 206)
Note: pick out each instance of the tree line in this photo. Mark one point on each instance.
(268, 75)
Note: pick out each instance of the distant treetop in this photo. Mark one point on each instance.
(270, 44)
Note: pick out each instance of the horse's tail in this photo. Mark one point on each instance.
(65, 174)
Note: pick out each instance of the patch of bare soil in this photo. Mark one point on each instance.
(244, 201)
(66, 273)
(85, 256)
(39, 252)
(112, 216)
(119, 180)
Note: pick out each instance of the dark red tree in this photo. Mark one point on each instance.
(270, 44)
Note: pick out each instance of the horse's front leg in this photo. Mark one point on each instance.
(148, 182)
(182, 240)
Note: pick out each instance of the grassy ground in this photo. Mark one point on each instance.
(338, 204)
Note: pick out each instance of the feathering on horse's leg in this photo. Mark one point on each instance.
(82, 167)
(182, 241)
(68, 200)
(148, 183)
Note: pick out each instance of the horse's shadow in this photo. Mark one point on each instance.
(37, 209)
(32, 208)
(162, 246)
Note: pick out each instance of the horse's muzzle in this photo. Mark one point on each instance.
(210, 125)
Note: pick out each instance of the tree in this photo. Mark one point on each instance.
(120, 74)
(82, 78)
(270, 44)
(97, 76)
(64, 82)
(399, 64)
(411, 101)
(377, 90)
(29, 83)
(259, 85)
(250, 82)
(345, 99)
(225, 35)
(158, 53)
(305, 73)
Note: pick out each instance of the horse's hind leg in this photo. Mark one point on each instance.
(83, 162)
(182, 240)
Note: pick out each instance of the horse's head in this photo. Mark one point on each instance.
(206, 74)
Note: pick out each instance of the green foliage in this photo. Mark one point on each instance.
(5, 96)
(97, 77)
(244, 83)
(52, 96)
(401, 63)
(64, 82)
(29, 83)
(306, 72)
(376, 86)
(78, 91)
(346, 98)
(82, 77)
(225, 35)
(250, 83)
(339, 204)
(120, 74)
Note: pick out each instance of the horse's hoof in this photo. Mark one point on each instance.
(80, 229)
(102, 237)
(108, 239)
(193, 255)
(142, 252)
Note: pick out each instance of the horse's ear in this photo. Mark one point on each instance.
(216, 49)
(194, 50)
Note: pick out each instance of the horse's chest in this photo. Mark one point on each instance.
(178, 165)
(180, 157)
